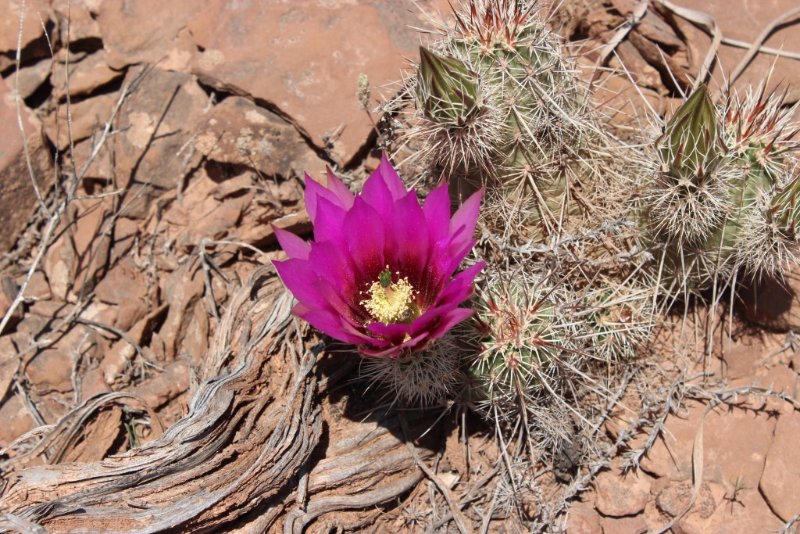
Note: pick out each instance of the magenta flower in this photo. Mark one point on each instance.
(379, 272)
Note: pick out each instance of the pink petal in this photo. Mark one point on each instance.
(331, 324)
(299, 277)
(386, 172)
(329, 221)
(365, 238)
(437, 213)
(376, 193)
(294, 246)
(448, 321)
(407, 249)
(462, 226)
(315, 191)
(340, 190)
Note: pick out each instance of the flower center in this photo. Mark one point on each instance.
(391, 302)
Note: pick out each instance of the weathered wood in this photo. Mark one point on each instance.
(240, 459)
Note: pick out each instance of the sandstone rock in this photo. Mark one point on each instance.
(746, 356)
(583, 519)
(619, 496)
(30, 78)
(164, 387)
(157, 121)
(59, 265)
(49, 371)
(91, 238)
(85, 76)
(780, 482)
(36, 12)
(238, 132)
(124, 286)
(87, 117)
(17, 196)
(16, 419)
(744, 511)
(76, 19)
(735, 445)
(744, 23)
(147, 31)
(305, 58)
(623, 525)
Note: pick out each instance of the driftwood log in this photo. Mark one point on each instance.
(258, 451)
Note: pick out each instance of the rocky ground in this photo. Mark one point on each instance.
(182, 131)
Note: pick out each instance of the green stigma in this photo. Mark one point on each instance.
(385, 278)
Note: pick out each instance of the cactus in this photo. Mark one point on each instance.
(722, 203)
(498, 105)
(530, 363)
(421, 378)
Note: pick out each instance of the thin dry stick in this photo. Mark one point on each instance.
(706, 22)
(638, 13)
(761, 49)
(20, 124)
(459, 518)
(754, 48)
(55, 217)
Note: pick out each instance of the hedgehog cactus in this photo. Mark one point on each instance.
(523, 344)
(497, 105)
(723, 201)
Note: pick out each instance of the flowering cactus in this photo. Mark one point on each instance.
(379, 272)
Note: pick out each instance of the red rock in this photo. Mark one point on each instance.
(59, 265)
(617, 495)
(195, 342)
(88, 116)
(748, 513)
(100, 167)
(76, 20)
(148, 31)
(17, 197)
(745, 22)
(49, 371)
(623, 525)
(156, 123)
(38, 288)
(780, 482)
(122, 283)
(674, 499)
(36, 11)
(236, 131)
(85, 76)
(16, 419)
(92, 383)
(583, 519)
(735, 445)
(305, 57)
(165, 386)
(29, 79)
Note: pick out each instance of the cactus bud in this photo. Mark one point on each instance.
(691, 145)
(447, 90)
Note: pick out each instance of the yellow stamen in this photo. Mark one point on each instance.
(392, 302)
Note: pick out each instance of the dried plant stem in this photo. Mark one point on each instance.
(61, 208)
(756, 46)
